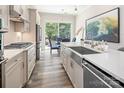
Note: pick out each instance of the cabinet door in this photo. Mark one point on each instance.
(14, 77)
(78, 75)
(71, 70)
(26, 27)
(65, 60)
(4, 14)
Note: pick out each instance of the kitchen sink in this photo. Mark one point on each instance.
(83, 50)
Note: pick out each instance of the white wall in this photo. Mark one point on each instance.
(98, 9)
(48, 17)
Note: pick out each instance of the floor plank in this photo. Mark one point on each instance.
(49, 73)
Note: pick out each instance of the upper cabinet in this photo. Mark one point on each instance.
(4, 18)
(18, 9)
(25, 13)
(20, 15)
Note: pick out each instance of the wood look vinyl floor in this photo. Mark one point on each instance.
(49, 73)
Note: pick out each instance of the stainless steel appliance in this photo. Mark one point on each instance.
(94, 77)
(2, 28)
(18, 45)
(2, 73)
(1, 46)
(38, 41)
(2, 60)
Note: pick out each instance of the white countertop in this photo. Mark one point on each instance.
(10, 53)
(111, 61)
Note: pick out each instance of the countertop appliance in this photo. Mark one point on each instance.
(38, 41)
(94, 77)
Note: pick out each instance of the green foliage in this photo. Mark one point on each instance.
(64, 30)
(51, 30)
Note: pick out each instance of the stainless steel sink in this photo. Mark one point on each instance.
(83, 50)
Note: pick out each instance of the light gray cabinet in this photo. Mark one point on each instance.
(78, 75)
(74, 70)
(31, 59)
(71, 70)
(14, 72)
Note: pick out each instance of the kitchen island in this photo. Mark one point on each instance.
(111, 62)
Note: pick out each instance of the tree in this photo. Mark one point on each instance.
(51, 30)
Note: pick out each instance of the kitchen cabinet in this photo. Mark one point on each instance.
(78, 75)
(4, 15)
(14, 72)
(70, 71)
(74, 70)
(22, 27)
(31, 59)
(21, 11)
(26, 26)
(75, 73)
(26, 16)
(18, 9)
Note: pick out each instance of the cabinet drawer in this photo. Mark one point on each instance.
(10, 63)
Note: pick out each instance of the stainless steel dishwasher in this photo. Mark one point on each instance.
(94, 77)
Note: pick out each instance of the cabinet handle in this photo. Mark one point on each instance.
(71, 65)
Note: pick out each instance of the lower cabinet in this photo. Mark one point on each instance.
(78, 75)
(14, 77)
(70, 70)
(74, 70)
(14, 72)
(75, 73)
(31, 60)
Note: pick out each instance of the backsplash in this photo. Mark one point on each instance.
(12, 36)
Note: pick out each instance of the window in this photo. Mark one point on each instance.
(51, 30)
(64, 30)
(61, 30)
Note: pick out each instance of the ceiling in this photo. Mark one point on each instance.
(61, 9)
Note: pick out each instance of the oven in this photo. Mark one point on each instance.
(1, 46)
(2, 73)
(94, 77)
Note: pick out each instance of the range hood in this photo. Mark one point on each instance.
(15, 16)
